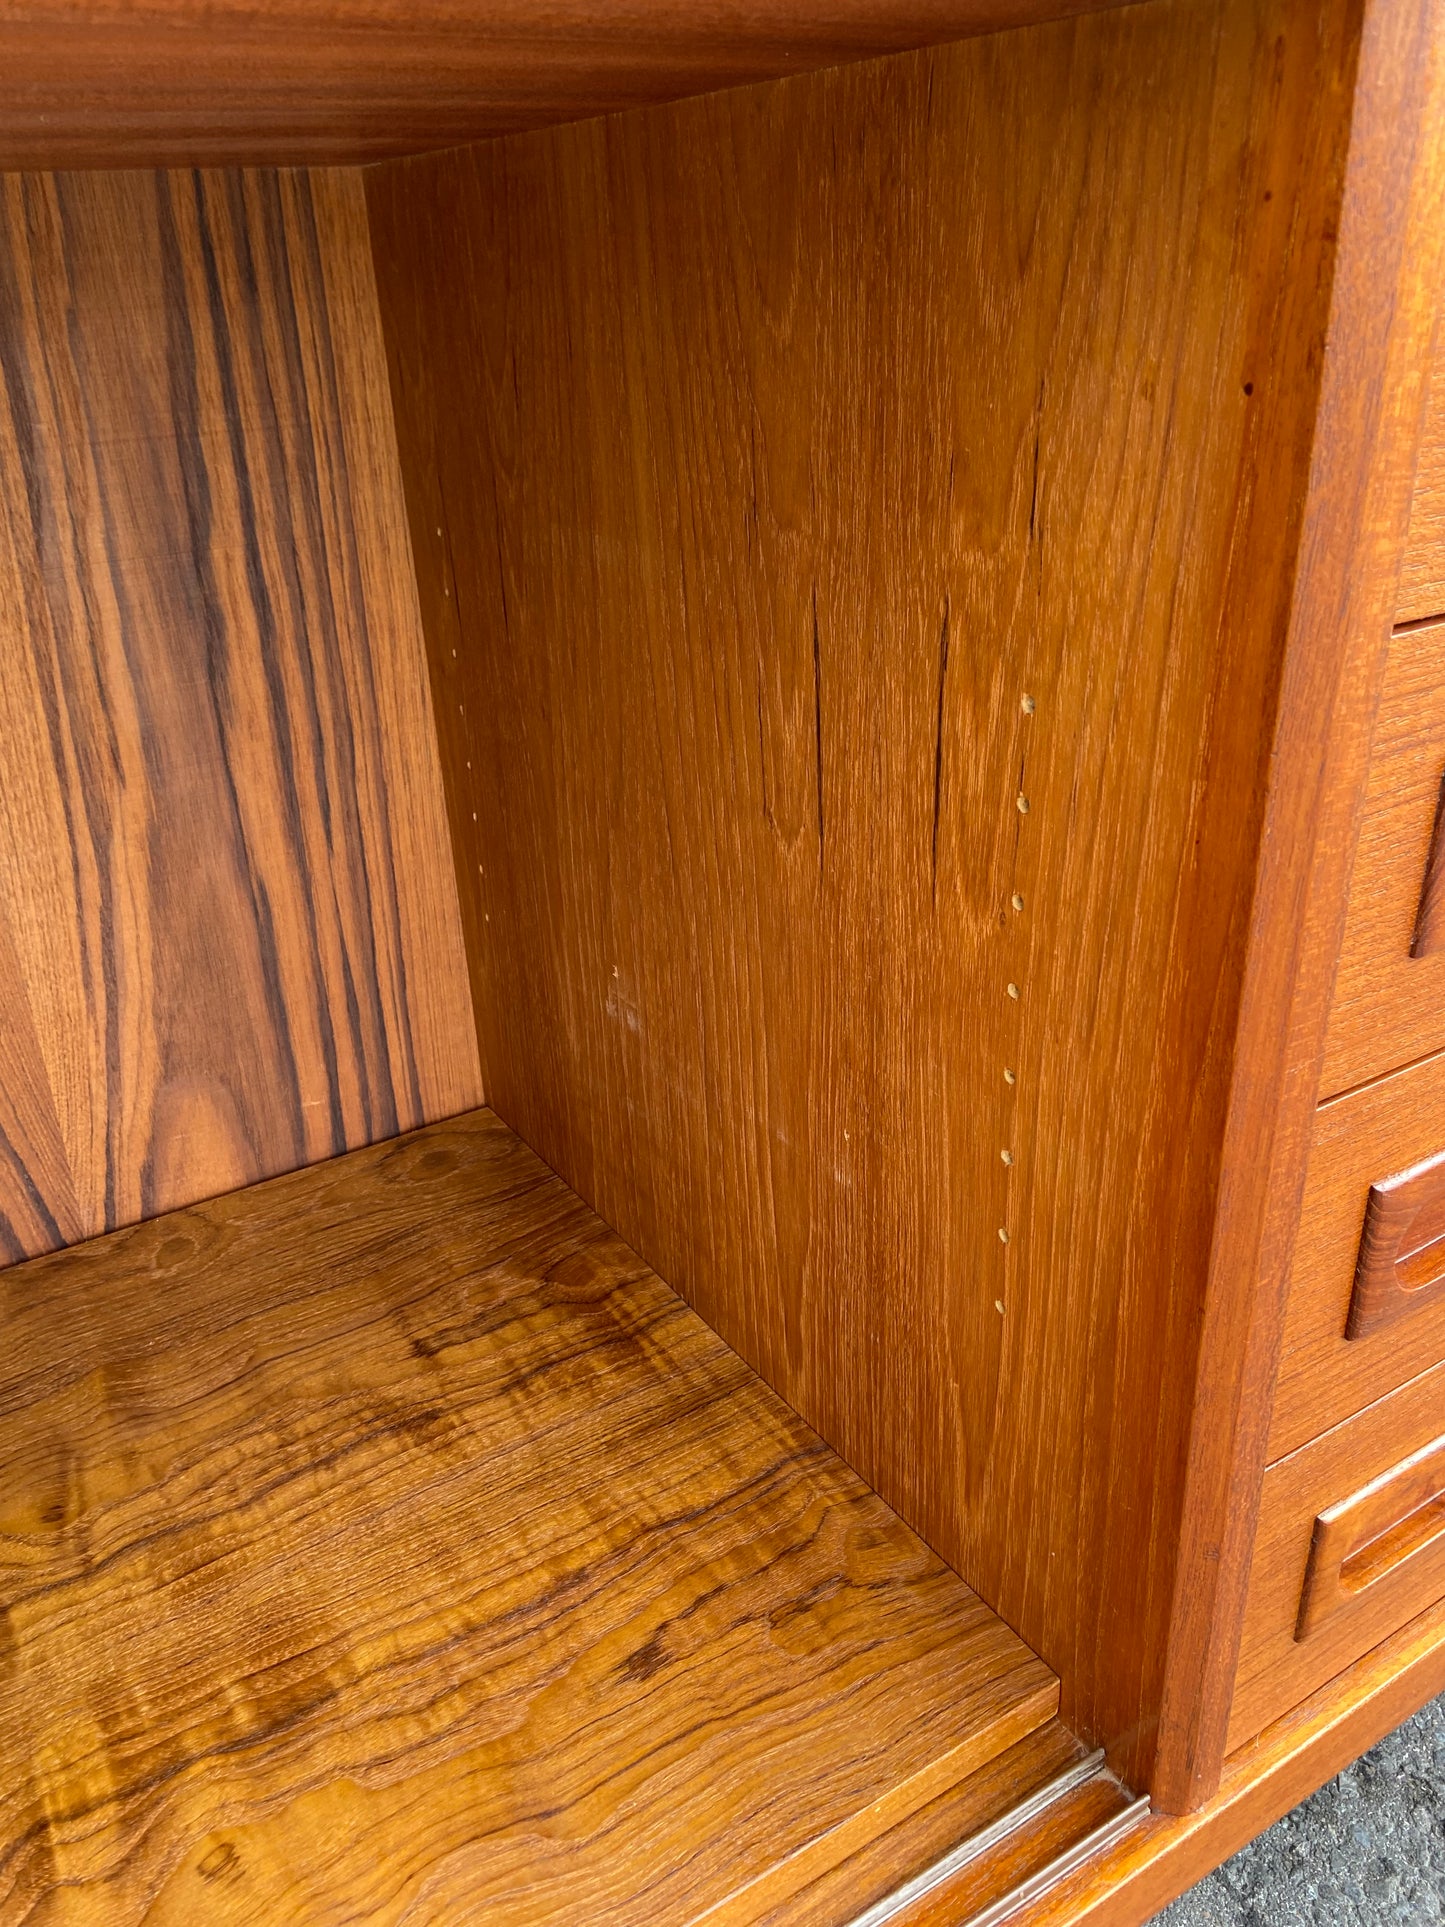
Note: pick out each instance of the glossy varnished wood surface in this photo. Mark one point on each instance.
(1286, 1652)
(985, 1800)
(107, 83)
(1026, 1859)
(1389, 1002)
(854, 597)
(1262, 1780)
(1384, 280)
(387, 1543)
(228, 927)
(1372, 1135)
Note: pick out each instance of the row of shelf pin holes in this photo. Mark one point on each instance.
(1028, 706)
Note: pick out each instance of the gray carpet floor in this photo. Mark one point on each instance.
(1367, 1849)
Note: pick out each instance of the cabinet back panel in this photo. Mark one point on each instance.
(228, 932)
(851, 594)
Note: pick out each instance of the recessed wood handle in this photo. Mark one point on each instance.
(1373, 1533)
(1430, 917)
(1401, 1267)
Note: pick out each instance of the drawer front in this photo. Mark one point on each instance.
(1351, 1545)
(1389, 1003)
(1422, 574)
(1366, 1306)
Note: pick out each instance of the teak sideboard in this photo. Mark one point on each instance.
(722, 951)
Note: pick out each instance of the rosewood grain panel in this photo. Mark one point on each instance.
(1389, 1003)
(856, 524)
(1422, 572)
(228, 932)
(1372, 1136)
(1351, 1546)
(387, 1543)
(106, 83)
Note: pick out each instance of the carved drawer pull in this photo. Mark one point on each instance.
(1430, 917)
(1372, 1534)
(1401, 1265)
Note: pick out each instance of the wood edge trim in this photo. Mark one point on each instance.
(1261, 1781)
(818, 1856)
(1107, 1834)
(1344, 592)
(969, 1849)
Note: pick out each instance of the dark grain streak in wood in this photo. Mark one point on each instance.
(976, 325)
(227, 917)
(386, 1542)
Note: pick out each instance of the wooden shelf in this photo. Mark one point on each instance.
(386, 1542)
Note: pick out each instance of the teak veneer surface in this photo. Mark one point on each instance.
(987, 1798)
(228, 925)
(843, 508)
(1389, 1002)
(1388, 1127)
(1283, 1655)
(1388, 260)
(1026, 1857)
(1128, 1884)
(1422, 572)
(387, 1543)
(117, 83)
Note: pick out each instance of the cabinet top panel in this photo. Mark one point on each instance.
(182, 82)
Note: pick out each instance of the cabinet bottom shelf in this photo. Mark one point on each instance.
(387, 1543)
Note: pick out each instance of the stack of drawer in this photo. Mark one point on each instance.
(1351, 1540)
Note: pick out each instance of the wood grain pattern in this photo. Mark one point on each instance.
(1422, 571)
(985, 1799)
(1387, 268)
(1387, 1127)
(984, 1891)
(1401, 1266)
(1262, 1780)
(386, 1543)
(1276, 1668)
(1389, 1002)
(108, 83)
(855, 521)
(228, 931)
(1430, 917)
(1393, 1520)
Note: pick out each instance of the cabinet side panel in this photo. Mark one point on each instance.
(847, 559)
(1384, 296)
(228, 932)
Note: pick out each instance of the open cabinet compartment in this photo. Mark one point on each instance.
(385, 1535)
(639, 767)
